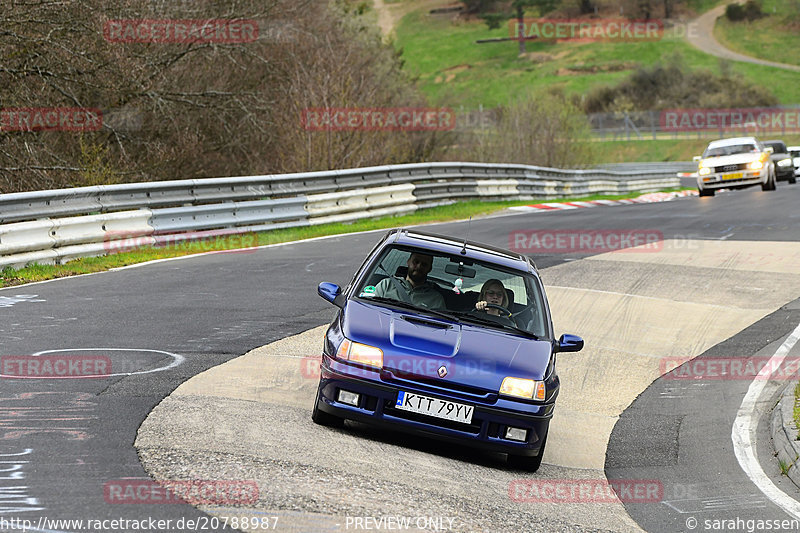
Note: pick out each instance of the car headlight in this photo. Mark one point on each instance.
(784, 162)
(704, 171)
(360, 353)
(755, 165)
(523, 388)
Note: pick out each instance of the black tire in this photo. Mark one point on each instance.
(325, 419)
(528, 464)
(770, 184)
(792, 179)
(706, 192)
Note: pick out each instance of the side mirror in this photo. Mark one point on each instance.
(696, 158)
(570, 343)
(331, 292)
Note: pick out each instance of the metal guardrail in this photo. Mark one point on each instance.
(59, 225)
(662, 166)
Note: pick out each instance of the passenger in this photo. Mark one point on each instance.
(415, 287)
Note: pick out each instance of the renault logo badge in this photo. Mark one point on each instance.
(442, 371)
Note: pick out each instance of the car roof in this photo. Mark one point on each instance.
(452, 245)
(774, 141)
(732, 141)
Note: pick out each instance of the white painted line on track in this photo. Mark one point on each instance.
(636, 296)
(744, 429)
(177, 359)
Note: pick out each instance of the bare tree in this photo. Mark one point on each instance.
(177, 110)
(543, 130)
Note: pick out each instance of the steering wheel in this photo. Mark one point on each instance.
(502, 309)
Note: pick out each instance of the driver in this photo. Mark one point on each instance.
(494, 293)
(416, 287)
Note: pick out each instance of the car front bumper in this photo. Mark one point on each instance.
(376, 406)
(784, 173)
(718, 181)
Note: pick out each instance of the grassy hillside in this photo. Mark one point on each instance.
(775, 37)
(453, 69)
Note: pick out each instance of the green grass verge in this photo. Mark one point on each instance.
(796, 411)
(454, 71)
(457, 211)
(648, 150)
(775, 37)
(701, 6)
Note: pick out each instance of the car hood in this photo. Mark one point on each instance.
(418, 345)
(733, 159)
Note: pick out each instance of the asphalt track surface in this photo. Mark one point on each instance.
(64, 442)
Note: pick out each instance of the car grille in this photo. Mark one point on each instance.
(434, 385)
(731, 168)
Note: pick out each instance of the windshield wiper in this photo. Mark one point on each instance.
(481, 320)
(406, 305)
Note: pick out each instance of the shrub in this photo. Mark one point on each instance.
(734, 12)
(673, 84)
(535, 129)
(750, 10)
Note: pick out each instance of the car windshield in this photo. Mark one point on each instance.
(453, 286)
(794, 153)
(778, 148)
(731, 149)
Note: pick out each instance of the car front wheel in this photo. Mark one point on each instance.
(322, 418)
(523, 462)
(706, 192)
(770, 184)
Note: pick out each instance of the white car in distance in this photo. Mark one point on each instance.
(794, 151)
(733, 164)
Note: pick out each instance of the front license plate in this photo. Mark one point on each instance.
(448, 410)
(734, 176)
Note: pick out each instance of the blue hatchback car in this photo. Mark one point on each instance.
(444, 338)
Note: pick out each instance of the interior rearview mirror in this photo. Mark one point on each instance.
(460, 270)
